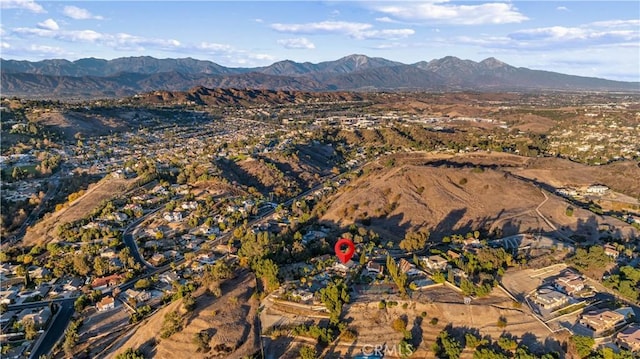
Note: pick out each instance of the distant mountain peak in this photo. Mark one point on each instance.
(493, 62)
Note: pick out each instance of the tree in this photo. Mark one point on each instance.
(473, 341)
(488, 353)
(201, 339)
(130, 353)
(30, 330)
(171, 324)
(582, 345)
(333, 296)
(414, 241)
(447, 346)
(307, 352)
(399, 277)
(143, 283)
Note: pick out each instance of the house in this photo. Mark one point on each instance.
(38, 272)
(40, 316)
(611, 251)
(173, 216)
(139, 296)
(597, 189)
(190, 205)
(312, 236)
(157, 259)
(373, 267)
(108, 253)
(106, 303)
(406, 267)
(453, 255)
(601, 320)
(549, 299)
(208, 258)
(8, 296)
(169, 277)
(108, 281)
(569, 282)
(629, 338)
(303, 294)
(73, 284)
(435, 262)
(344, 267)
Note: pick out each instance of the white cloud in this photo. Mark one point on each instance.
(77, 13)
(439, 11)
(619, 33)
(562, 8)
(4, 45)
(49, 24)
(260, 21)
(131, 44)
(22, 4)
(390, 34)
(329, 27)
(386, 19)
(213, 47)
(356, 30)
(297, 43)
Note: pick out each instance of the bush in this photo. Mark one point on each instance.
(307, 352)
(423, 314)
(502, 322)
(382, 305)
(399, 324)
(463, 181)
(434, 321)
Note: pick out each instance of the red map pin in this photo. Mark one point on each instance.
(344, 256)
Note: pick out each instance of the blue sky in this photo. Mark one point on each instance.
(588, 38)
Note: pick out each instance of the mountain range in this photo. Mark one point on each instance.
(96, 78)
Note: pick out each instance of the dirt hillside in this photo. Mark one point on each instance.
(445, 200)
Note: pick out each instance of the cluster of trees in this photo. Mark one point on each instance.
(506, 347)
(591, 261)
(581, 346)
(414, 241)
(625, 281)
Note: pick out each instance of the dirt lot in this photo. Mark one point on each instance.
(230, 320)
(373, 325)
(107, 188)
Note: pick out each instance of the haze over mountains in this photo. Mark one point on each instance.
(95, 78)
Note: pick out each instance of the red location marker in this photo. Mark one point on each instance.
(350, 250)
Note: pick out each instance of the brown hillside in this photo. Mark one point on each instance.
(412, 196)
(230, 320)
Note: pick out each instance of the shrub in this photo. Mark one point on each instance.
(434, 321)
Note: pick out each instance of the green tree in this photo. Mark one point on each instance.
(201, 340)
(414, 241)
(30, 331)
(333, 296)
(307, 352)
(582, 344)
(446, 346)
(473, 341)
(399, 277)
(130, 353)
(171, 324)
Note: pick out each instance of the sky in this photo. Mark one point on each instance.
(586, 38)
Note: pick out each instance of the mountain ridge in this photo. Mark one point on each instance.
(94, 78)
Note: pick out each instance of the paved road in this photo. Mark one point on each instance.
(56, 329)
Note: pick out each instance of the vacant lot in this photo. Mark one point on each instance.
(107, 188)
(229, 320)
